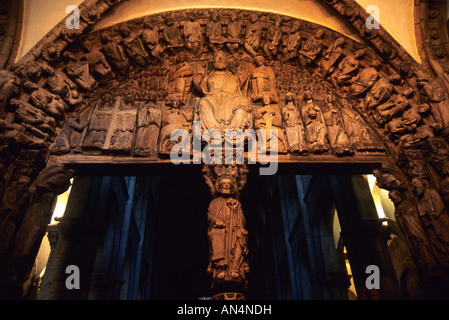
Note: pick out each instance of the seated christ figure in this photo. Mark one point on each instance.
(223, 106)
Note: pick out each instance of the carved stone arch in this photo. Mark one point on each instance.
(95, 95)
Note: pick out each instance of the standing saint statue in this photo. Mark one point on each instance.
(227, 235)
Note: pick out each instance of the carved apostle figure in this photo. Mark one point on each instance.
(335, 128)
(274, 38)
(294, 127)
(223, 105)
(51, 181)
(359, 134)
(268, 117)
(173, 119)
(227, 235)
(148, 125)
(407, 217)
(316, 130)
(214, 32)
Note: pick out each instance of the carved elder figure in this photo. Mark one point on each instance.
(233, 30)
(274, 38)
(253, 35)
(150, 37)
(292, 41)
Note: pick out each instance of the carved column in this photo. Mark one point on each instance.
(228, 250)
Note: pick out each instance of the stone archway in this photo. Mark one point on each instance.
(115, 95)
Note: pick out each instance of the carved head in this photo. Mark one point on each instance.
(182, 56)
(220, 60)
(395, 196)
(359, 54)
(376, 64)
(47, 69)
(330, 98)
(295, 26)
(106, 97)
(418, 186)
(105, 37)
(233, 16)
(266, 99)
(254, 17)
(124, 31)
(423, 108)
(226, 185)
(69, 56)
(340, 41)
(307, 96)
(289, 96)
(260, 60)
(319, 33)
(87, 46)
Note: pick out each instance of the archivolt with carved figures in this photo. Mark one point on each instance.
(121, 91)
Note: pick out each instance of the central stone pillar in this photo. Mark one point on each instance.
(228, 251)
